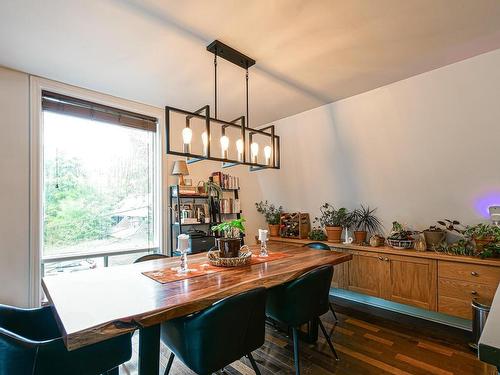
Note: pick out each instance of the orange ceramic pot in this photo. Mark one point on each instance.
(334, 234)
(360, 236)
(274, 230)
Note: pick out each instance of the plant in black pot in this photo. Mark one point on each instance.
(230, 240)
(272, 214)
(364, 221)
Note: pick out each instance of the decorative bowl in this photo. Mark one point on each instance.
(243, 260)
(401, 244)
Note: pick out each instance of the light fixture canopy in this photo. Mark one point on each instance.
(247, 139)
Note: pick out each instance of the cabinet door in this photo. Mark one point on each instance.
(339, 276)
(412, 281)
(365, 273)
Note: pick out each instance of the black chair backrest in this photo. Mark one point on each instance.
(303, 299)
(147, 257)
(31, 343)
(317, 245)
(221, 334)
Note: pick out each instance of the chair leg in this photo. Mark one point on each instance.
(253, 363)
(169, 363)
(328, 339)
(296, 350)
(333, 312)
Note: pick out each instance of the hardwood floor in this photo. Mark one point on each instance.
(368, 340)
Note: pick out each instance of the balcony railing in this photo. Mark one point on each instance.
(105, 255)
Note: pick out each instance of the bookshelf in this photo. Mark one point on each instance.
(190, 212)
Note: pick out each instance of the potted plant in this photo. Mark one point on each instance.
(434, 236)
(400, 237)
(317, 234)
(364, 222)
(483, 234)
(272, 215)
(230, 242)
(333, 221)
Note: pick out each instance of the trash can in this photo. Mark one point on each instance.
(480, 311)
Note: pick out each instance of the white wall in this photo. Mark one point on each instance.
(420, 149)
(14, 187)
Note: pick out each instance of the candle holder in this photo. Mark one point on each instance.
(263, 243)
(263, 249)
(182, 248)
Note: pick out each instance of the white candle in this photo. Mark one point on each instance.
(262, 235)
(182, 242)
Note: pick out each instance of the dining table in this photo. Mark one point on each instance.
(94, 305)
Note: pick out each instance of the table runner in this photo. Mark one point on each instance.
(168, 275)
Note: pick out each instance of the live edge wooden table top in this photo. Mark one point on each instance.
(95, 305)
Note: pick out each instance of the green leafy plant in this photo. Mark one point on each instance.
(270, 212)
(363, 219)
(483, 231)
(331, 217)
(231, 228)
(399, 232)
(490, 250)
(317, 234)
(461, 247)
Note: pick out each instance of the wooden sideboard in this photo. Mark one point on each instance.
(428, 280)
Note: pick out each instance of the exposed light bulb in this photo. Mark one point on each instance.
(254, 148)
(239, 148)
(267, 154)
(187, 136)
(204, 140)
(224, 145)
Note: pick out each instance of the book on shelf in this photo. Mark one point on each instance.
(226, 181)
(230, 206)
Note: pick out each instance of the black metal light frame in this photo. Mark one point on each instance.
(220, 49)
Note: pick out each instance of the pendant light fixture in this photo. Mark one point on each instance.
(243, 149)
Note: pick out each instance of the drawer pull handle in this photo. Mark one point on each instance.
(386, 259)
(473, 292)
(474, 273)
(380, 258)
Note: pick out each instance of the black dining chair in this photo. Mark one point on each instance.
(213, 338)
(301, 301)
(31, 344)
(147, 257)
(322, 246)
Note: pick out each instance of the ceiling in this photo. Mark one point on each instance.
(308, 52)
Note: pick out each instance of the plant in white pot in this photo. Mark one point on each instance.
(364, 221)
(334, 221)
(272, 214)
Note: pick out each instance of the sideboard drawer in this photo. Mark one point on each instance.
(474, 273)
(455, 307)
(465, 290)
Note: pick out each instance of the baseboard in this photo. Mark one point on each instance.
(402, 309)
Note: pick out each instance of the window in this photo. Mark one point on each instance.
(100, 200)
